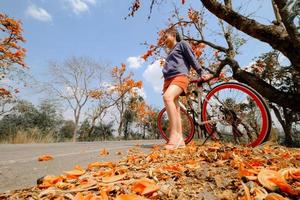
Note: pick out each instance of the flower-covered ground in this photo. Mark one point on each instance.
(212, 171)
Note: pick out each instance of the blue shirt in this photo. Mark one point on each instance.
(180, 60)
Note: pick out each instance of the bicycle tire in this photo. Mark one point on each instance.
(256, 98)
(189, 130)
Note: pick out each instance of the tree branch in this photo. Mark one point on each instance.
(277, 113)
(287, 20)
(220, 48)
(277, 15)
(284, 99)
(274, 35)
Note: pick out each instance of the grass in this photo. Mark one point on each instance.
(32, 135)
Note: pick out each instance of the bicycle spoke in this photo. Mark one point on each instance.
(240, 113)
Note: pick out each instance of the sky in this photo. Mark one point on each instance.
(59, 29)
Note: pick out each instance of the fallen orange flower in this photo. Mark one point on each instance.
(104, 152)
(129, 197)
(100, 164)
(144, 186)
(264, 177)
(75, 173)
(111, 179)
(89, 196)
(49, 181)
(173, 168)
(275, 196)
(79, 196)
(284, 186)
(105, 173)
(45, 158)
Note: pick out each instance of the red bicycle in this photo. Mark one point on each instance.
(229, 112)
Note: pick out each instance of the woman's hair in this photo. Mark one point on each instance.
(174, 32)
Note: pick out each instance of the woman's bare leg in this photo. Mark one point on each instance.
(179, 122)
(169, 97)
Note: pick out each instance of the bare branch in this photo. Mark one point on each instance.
(217, 47)
(287, 19)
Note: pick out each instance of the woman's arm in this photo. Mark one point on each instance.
(189, 55)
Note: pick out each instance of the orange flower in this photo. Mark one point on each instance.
(45, 158)
(104, 152)
(129, 197)
(100, 164)
(49, 181)
(144, 186)
(111, 179)
(75, 173)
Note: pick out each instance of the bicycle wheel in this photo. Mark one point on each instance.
(188, 127)
(236, 113)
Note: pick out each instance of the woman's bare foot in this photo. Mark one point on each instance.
(176, 141)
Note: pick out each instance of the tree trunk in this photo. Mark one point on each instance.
(120, 126)
(284, 99)
(93, 126)
(126, 130)
(76, 115)
(121, 118)
(286, 124)
(75, 130)
(288, 127)
(288, 134)
(274, 35)
(144, 132)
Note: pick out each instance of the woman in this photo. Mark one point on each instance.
(177, 66)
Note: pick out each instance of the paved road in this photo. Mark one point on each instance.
(19, 167)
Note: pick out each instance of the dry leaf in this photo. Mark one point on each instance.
(104, 152)
(75, 173)
(275, 196)
(45, 158)
(49, 181)
(129, 197)
(100, 164)
(111, 179)
(144, 186)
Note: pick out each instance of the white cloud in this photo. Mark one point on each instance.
(141, 92)
(135, 62)
(283, 60)
(38, 13)
(91, 1)
(153, 75)
(79, 6)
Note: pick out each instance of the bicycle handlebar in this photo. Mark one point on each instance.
(201, 80)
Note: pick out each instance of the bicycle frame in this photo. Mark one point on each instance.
(196, 114)
(251, 126)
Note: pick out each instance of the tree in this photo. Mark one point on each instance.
(123, 88)
(84, 130)
(284, 78)
(72, 83)
(282, 34)
(153, 130)
(128, 119)
(113, 95)
(46, 118)
(24, 116)
(7, 105)
(117, 95)
(144, 116)
(67, 130)
(49, 117)
(104, 131)
(10, 51)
